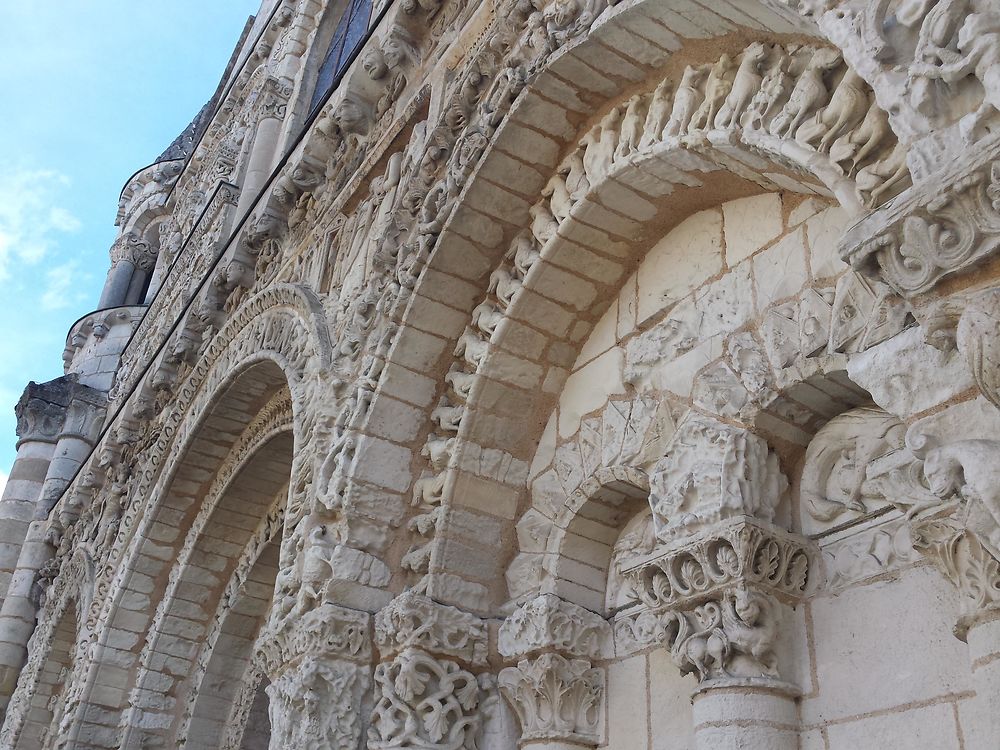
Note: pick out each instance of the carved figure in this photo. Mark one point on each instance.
(687, 100)
(979, 55)
(745, 84)
(717, 87)
(833, 478)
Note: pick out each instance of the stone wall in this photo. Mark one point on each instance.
(576, 374)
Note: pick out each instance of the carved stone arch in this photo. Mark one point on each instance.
(277, 340)
(240, 515)
(57, 643)
(581, 543)
(553, 112)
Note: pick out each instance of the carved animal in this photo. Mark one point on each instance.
(847, 108)
(853, 150)
(471, 348)
(809, 94)
(543, 223)
(631, 127)
(657, 115)
(558, 195)
(486, 317)
(971, 469)
(686, 101)
(525, 253)
(720, 81)
(600, 149)
(746, 83)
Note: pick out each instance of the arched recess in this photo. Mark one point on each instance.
(35, 713)
(272, 350)
(194, 639)
(643, 191)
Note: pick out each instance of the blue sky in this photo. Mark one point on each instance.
(93, 90)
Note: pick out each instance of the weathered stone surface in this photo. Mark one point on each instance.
(586, 375)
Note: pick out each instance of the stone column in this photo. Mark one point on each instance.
(79, 432)
(716, 601)
(40, 416)
(319, 667)
(425, 694)
(556, 692)
(274, 103)
(715, 589)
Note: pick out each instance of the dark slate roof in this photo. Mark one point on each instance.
(184, 144)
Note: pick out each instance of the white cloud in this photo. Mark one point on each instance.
(30, 217)
(59, 286)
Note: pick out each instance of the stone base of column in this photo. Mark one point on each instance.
(746, 714)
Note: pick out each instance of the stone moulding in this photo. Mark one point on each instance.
(740, 553)
(941, 226)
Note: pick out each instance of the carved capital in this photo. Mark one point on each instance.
(951, 496)
(132, 249)
(424, 702)
(413, 620)
(715, 600)
(41, 410)
(727, 637)
(556, 698)
(738, 554)
(318, 703)
(946, 225)
(328, 631)
(712, 471)
(274, 97)
(548, 622)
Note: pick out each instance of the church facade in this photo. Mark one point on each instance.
(553, 374)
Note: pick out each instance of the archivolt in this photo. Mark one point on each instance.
(780, 117)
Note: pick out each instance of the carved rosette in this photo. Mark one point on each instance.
(425, 695)
(558, 694)
(714, 600)
(937, 233)
(318, 666)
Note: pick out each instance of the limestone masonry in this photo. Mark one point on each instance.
(550, 374)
